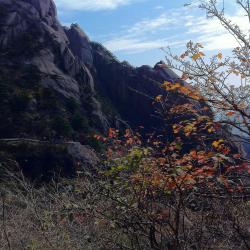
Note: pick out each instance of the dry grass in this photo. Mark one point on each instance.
(78, 214)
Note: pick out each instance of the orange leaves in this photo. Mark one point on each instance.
(100, 138)
(176, 129)
(112, 133)
(128, 133)
(162, 166)
(231, 113)
(188, 129)
(170, 86)
(187, 108)
(185, 90)
(193, 127)
(158, 98)
(198, 56)
(243, 167)
(245, 60)
(193, 154)
(219, 56)
(166, 85)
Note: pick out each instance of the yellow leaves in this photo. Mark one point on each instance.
(210, 130)
(219, 56)
(198, 55)
(217, 144)
(195, 57)
(171, 86)
(190, 92)
(158, 98)
(189, 129)
(166, 85)
(176, 129)
(235, 72)
(176, 85)
(187, 108)
(245, 60)
(185, 90)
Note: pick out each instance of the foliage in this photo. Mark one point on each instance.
(184, 187)
(85, 213)
(166, 188)
(99, 46)
(222, 80)
(79, 123)
(158, 186)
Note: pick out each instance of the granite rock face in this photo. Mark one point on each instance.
(80, 44)
(92, 90)
(31, 35)
(132, 90)
(74, 67)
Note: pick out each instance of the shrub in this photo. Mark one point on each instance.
(62, 126)
(80, 123)
(20, 101)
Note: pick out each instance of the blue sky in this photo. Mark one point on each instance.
(135, 30)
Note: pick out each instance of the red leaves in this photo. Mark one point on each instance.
(112, 133)
(236, 156)
(231, 113)
(163, 167)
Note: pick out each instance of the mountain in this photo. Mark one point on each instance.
(58, 88)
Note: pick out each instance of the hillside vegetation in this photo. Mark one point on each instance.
(170, 169)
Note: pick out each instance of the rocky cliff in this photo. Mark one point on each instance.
(56, 85)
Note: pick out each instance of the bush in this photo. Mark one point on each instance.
(62, 126)
(80, 123)
(20, 101)
(72, 105)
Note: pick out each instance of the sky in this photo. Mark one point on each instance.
(136, 30)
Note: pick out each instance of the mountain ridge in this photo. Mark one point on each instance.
(57, 85)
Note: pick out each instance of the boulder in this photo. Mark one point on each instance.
(83, 155)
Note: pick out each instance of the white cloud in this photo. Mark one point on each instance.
(136, 45)
(186, 23)
(161, 22)
(92, 5)
(159, 7)
(137, 38)
(213, 35)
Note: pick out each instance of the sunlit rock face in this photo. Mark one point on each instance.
(32, 34)
(46, 8)
(58, 85)
(80, 44)
(75, 68)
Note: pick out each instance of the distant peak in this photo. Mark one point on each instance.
(160, 64)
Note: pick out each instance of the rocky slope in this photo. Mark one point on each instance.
(57, 86)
